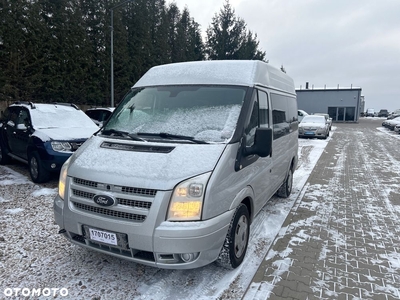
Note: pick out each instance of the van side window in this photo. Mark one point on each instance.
(284, 114)
(264, 109)
(250, 130)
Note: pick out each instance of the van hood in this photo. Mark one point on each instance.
(157, 166)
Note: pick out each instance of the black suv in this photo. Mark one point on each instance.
(42, 135)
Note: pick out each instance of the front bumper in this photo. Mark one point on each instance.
(312, 133)
(153, 242)
(53, 160)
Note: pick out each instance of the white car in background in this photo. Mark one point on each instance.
(301, 114)
(314, 126)
(370, 112)
(397, 128)
(99, 114)
(327, 118)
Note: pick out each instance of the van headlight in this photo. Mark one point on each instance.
(63, 179)
(187, 199)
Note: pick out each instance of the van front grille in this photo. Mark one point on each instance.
(116, 188)
(85, 182)
(109, 212)
(121, 201)
(83, 194)
(137, 191)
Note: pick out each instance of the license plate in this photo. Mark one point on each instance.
(103, 236)
(310, 133)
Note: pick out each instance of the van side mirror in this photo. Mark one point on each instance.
(262, 143)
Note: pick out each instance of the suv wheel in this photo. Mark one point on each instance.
(37, 171)
(237, 239)
(4, 158)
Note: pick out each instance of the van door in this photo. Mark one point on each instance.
(259, 167)
(284, 119)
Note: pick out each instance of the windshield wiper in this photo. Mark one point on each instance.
(123, 134)
(166, 135)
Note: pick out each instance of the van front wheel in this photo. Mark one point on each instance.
(286, 188)
(235, 246)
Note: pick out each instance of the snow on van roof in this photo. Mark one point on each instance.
(220, 72)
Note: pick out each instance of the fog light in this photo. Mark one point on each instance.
(188, 257)
(53, 166)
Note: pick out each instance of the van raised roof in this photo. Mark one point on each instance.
(219, 72)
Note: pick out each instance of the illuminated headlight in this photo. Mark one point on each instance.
(187, 199)
(61, 146)
(63, 178)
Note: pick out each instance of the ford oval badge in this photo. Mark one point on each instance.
(104, 200)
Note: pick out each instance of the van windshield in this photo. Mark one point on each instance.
(202, 113)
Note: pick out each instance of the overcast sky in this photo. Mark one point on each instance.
(324, 42)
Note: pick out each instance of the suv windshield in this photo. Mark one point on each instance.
(206, 113)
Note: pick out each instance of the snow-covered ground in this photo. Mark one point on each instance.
(34, 256)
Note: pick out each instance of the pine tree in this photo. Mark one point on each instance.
(96, 80)
(174, 41)
(196, 45)
(19, 50)
(227, 37)
(193, 47)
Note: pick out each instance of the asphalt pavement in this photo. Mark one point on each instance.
(341, 239)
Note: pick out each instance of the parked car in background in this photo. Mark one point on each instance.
(370, 112)
(327, 118)
(390, 124)
(99, 114)
(397, 128)
(314, 126)
(384, 123)
(42, 135)
(383, 113)
(394, 114)
(301, 114)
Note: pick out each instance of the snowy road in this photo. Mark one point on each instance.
(34, 256)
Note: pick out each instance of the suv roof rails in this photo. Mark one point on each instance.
(67, 104)
(26, 103)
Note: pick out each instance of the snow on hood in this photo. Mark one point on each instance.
(312, 124)
(161, 171)
(65, 134)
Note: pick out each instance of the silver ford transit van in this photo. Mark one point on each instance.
(179, 171)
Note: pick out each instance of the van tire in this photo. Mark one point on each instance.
(38, 173)
(237, 239)
(286, 188)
